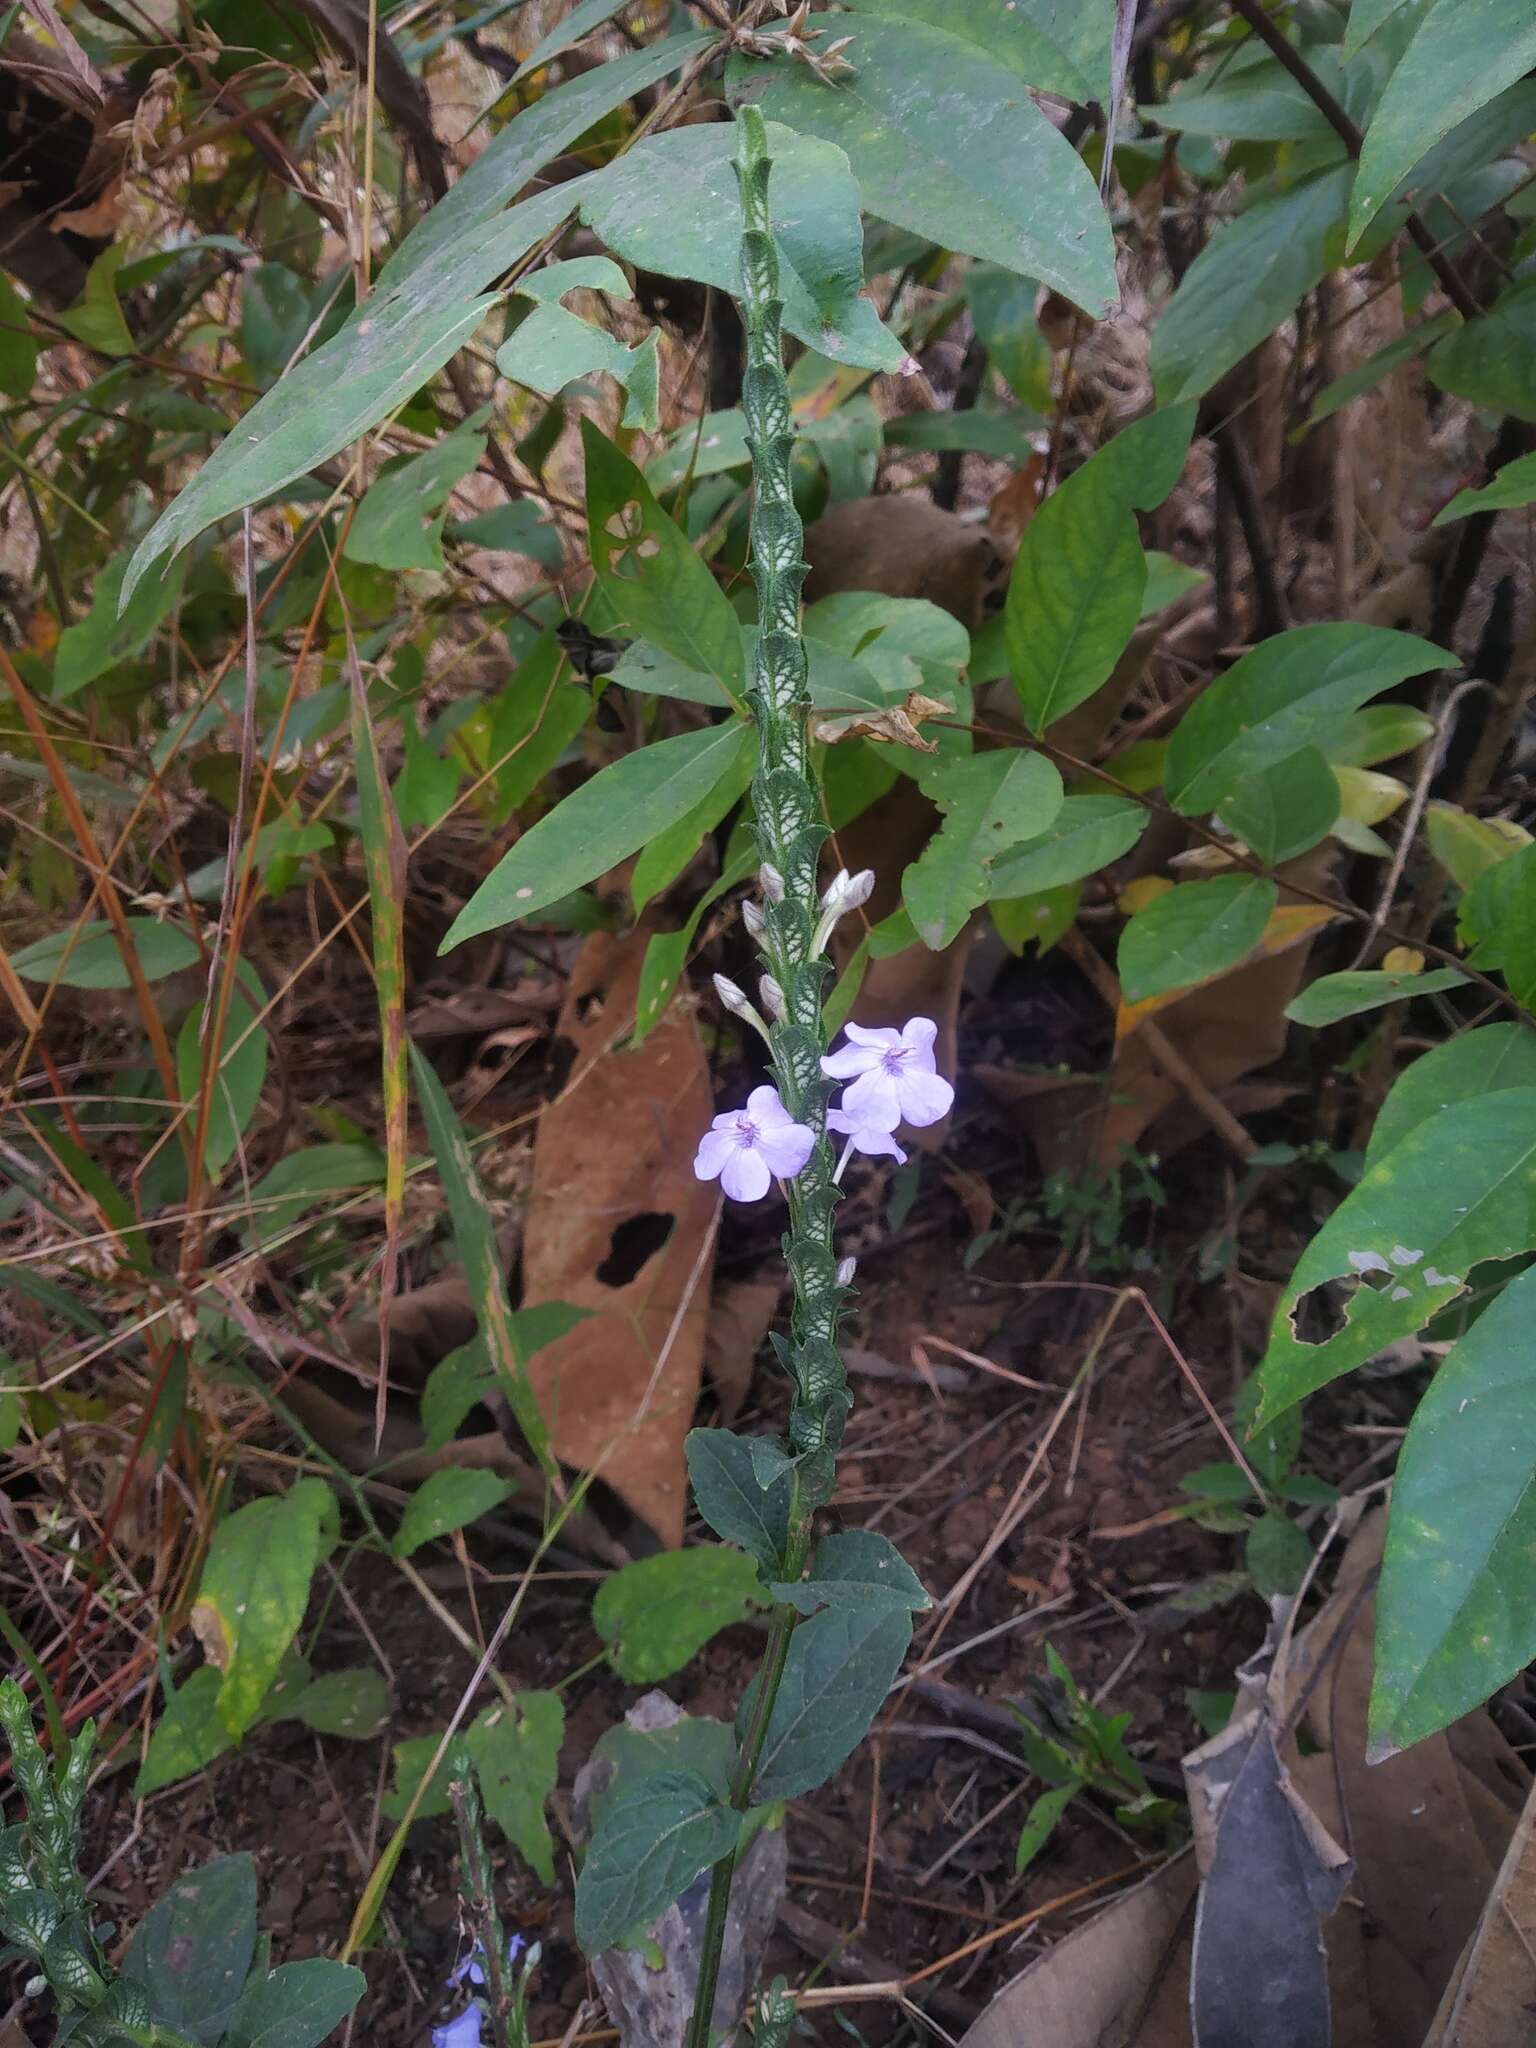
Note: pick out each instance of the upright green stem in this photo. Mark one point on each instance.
(790, 833)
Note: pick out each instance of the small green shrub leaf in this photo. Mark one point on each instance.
(599, 824)
(254, 1590)
(1454, 1620)
(852, 1568)
(1334, 996)
(841, 1666)
(350, 1703)
(94, 960)
(990, 803)
(1192, 932)
(188, 1735)
(655, 1613)
(1280, 811)
(193, 1948)
(445, 1501)
(297, 2006)
(516, 1754)
(650, 1845)
(1277, 1554)
(732, 1497)
(1274, 701)
(1088, 832)
(1493, 1057)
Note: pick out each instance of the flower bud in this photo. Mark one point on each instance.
(773, 997)
(772, 882)
(753, 919)
(843, 893)
(734, 999)
(846, 1268)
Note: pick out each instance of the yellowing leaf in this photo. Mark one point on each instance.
(1144, 890)
(1367, 796)
(1403, 960)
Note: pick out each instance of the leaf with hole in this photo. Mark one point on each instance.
(1192, 932)
(1457, 1189)
(516, 1753)
(841, 1665)
(651, 1844)
(655, 1613)
(1274, 701)
(922, 118)
(1453, 1618)
(990, 802)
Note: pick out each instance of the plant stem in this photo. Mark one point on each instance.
(790, 833)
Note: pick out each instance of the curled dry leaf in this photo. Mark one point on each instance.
(618, 1224)
(896, 726)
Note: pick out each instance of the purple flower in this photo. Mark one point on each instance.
(463, 2031)
(893, 1077)
(747, 1148)
(861, 1138)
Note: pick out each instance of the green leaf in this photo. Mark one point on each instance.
(1167, 581)
(856, 1568)
(237, 1086)
(386, 351)
(1040, 1823)
(475, 1237)
(1003, 315)
(885, 633)
(19, 346)
(94, 960)
(1368, 17)
(104, 639)
(1472, 1064)
(516, 1754)
(841, 1665)
(1042, 919)
(1334, 996)
(990, 802)
(412, 1758)
(671, 205)
(1005, 433)
(1514, 484)
(662, 859)
(1458, 1189)
(192, 1949)
(921, 168)
(723, 1469)
(650, 1845)
(516, 528)
(188, 1735)
(552, 348)
(666, 954)
(1463, 53)
(1192, 932)
(354, 1704)
(1454, 1620)
(466, 1376)
(254, 1590)
(1261, 104)
(1056, 50)
(297, 2006)
(275, 312)
(446, 1501)
(1281, 810)
(1277, 1554)
(1274, 701)
(1079, 578)
(649, 573)
(399, 523)
(1492, 361)
(304, 1178)
(533, 138)
(97, 317)
(599, 824)
(1217, 1482)
(1377, 367)
(654, 1614)
(1249, 277)
(1377, 733)
(690, 1743)
(1467, 847)
(1088, 833)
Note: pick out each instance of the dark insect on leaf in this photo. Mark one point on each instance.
(588, 652)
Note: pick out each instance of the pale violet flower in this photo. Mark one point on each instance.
(892, 1077)
(747, 1148)
(879, 1144)
(463, 2031)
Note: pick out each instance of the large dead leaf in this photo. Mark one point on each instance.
(1492, 1994)
(617, 1224)
(904, 546)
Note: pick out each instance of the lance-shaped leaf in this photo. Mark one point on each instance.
(1087, 833)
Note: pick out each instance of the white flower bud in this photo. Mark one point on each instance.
(846, 1269)
(832, 894)
(772, 882)
(843, 893)
(735, 999)
(753, 919)
(773, 997)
